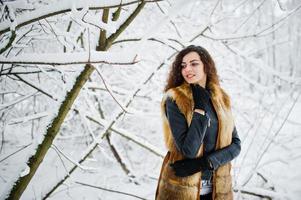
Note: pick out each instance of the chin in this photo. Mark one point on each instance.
(191, 81)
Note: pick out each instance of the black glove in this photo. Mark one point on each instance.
(187, 167)
(200, 96)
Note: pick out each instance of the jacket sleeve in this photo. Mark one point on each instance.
(226, 154)
(187, 139)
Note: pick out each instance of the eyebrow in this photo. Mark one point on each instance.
(191, 61)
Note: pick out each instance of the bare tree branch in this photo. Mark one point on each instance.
(3, 106)
(132, 137)
(11, 39)
(150, 39)
(253, 170)
(35, 87)
(263, 194)
(43, 12)
(35, 160)
(280, 20)
(109, 190)
(106, 130)
(66, 59)
(103, 33)
(127, 22)
(111, 93)
(6, 157)
(249, 17)
(117, 156)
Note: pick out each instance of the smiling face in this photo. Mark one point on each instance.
(193, 69)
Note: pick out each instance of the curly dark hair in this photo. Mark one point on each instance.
(175, 77)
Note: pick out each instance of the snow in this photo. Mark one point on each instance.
(121, 98)
(264, 192)
(120, 57)
(3, 106)
(25, 171)
(27, 118)
(65, 5)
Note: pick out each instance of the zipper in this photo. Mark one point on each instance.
(209, 120)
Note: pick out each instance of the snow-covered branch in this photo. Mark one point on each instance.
(108, 88)
(6, 105)
(110, 190)
(28, 118)
(118, 58)
(65, 6)
(132, 137)
(260, 192)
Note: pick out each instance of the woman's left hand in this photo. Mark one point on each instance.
(187, 167)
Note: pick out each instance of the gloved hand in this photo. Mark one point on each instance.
(200, 96)
(187, 167)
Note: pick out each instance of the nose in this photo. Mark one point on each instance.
(188, 68)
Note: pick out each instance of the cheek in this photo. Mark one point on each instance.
(201, 70)
(182, 73)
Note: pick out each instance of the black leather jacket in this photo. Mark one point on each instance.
(189, 139)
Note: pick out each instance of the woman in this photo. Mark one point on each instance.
(199, 131)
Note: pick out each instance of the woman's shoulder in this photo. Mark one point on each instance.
(180, 91)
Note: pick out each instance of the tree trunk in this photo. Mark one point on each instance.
(35, 160)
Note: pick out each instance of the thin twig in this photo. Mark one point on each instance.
(249, 17)
(123, 26)
(35, 87)
(11, 61)
(246, 191)
(271, 141)
(150, 39)
(15, 152)
(58, 153)
(132, 137)
(117, 156)
(280, 20)
(69, 159)
(110, 190)
(6, 105)
(43, 15)
(239, 5)
(11, 39)
(111, 93)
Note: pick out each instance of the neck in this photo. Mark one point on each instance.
(202, 83)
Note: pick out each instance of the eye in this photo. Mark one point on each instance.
(183, 66)
(195, 64)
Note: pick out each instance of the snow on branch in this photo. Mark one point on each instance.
(261, 65)
(72, 160)
(6, 105)
(260, 192)
(130, 136)
(110, 190)
(65, 6)
(108, 88)
(141, 142)
(28, 118)
(113, 58)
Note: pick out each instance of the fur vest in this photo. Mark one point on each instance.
(171, 187)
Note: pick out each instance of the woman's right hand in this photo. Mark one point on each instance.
(200, 96)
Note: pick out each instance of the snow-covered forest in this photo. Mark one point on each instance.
(81, 84)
